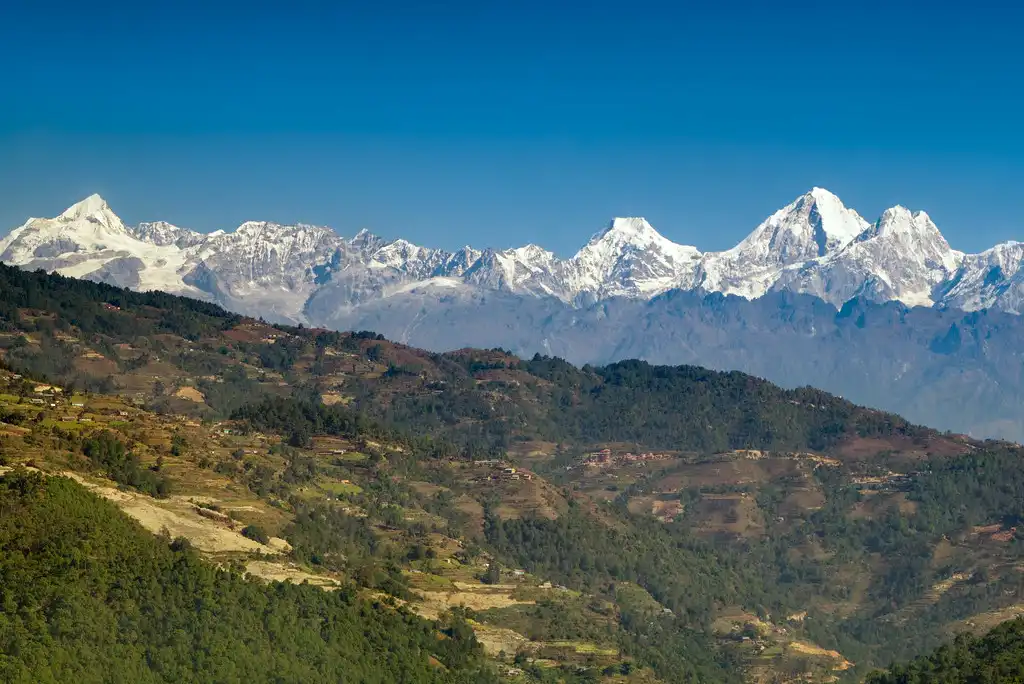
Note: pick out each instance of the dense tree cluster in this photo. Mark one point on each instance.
(108, 453)
(103, 309)
(682, 407)
(299, 419)
(88, 596)
(688, 576)
(996, 658)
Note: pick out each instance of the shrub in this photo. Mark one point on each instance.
(256, 533)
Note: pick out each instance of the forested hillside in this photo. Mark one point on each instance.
(996, 658)
(95, 336)
(89, 596)
(628, 523)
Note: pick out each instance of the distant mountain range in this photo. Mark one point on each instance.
(886, 313)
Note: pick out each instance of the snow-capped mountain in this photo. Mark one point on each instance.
(161, 233)
(527, 270)
(814, 226)
(821, 297)
(993, 279)
(629, 259)
(299, 273)
(902, 257)
(89, 240)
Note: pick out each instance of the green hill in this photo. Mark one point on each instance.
(995, 658)
(623, 523)
(147, 345)
(89, 596)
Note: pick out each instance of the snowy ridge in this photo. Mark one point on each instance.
(629, 259)
(94, 209)
(815, 225)
(89, 241)
(992, 279)
(902, 257)
(161, 233)
(302, 273)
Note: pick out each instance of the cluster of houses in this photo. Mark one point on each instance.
(43, 395)
(509, 474)
(605, 457)
(502, 472)
(53, 397)
(48, 395)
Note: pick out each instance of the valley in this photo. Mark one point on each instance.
(620, 523)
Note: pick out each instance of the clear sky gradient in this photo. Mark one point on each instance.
(501, 123)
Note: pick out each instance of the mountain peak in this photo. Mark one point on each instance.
(810, 227)
(399, 253)
(90, 206)
(532, 252)
(366, 243)
(821, 194)
(813, 225)
(636, 233)
(899, 220)
(630, 258)
(630, 227)
(95, 210)
(629, 231)
(838, 224)
(162, 233)
(897, 210)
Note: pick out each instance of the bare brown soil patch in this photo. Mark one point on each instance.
(426, 488)
(190, 394)
(943, 552)
(528, 498)
(474, 511)
(730, 471)
(13, 430)
(804, 648)
(801, 501)
(602, 494)
(245, 333)
(863, 448)
(497, 639)
(641, 505)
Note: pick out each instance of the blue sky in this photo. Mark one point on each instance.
(510, 122)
